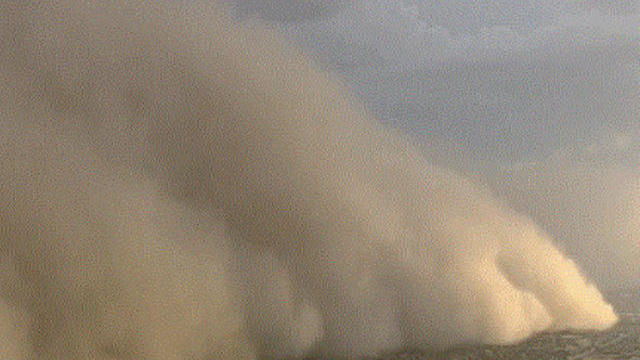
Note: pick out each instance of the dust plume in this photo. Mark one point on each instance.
(590, 201)
(175, 186)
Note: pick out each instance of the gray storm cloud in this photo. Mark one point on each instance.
(504, 80)
(176, 186)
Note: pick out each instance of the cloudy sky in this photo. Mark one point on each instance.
(539, 99)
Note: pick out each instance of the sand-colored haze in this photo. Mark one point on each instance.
(175, 186)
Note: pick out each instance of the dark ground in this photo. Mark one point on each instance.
(621, 342)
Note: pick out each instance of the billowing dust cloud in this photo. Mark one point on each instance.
(175, 186)
(591, 204)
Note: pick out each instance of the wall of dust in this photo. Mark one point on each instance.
(176, 186)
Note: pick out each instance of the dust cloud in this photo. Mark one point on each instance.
(175, 186)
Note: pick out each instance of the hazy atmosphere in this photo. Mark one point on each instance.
(294, 179)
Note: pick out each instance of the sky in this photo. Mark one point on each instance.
(537, 99)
